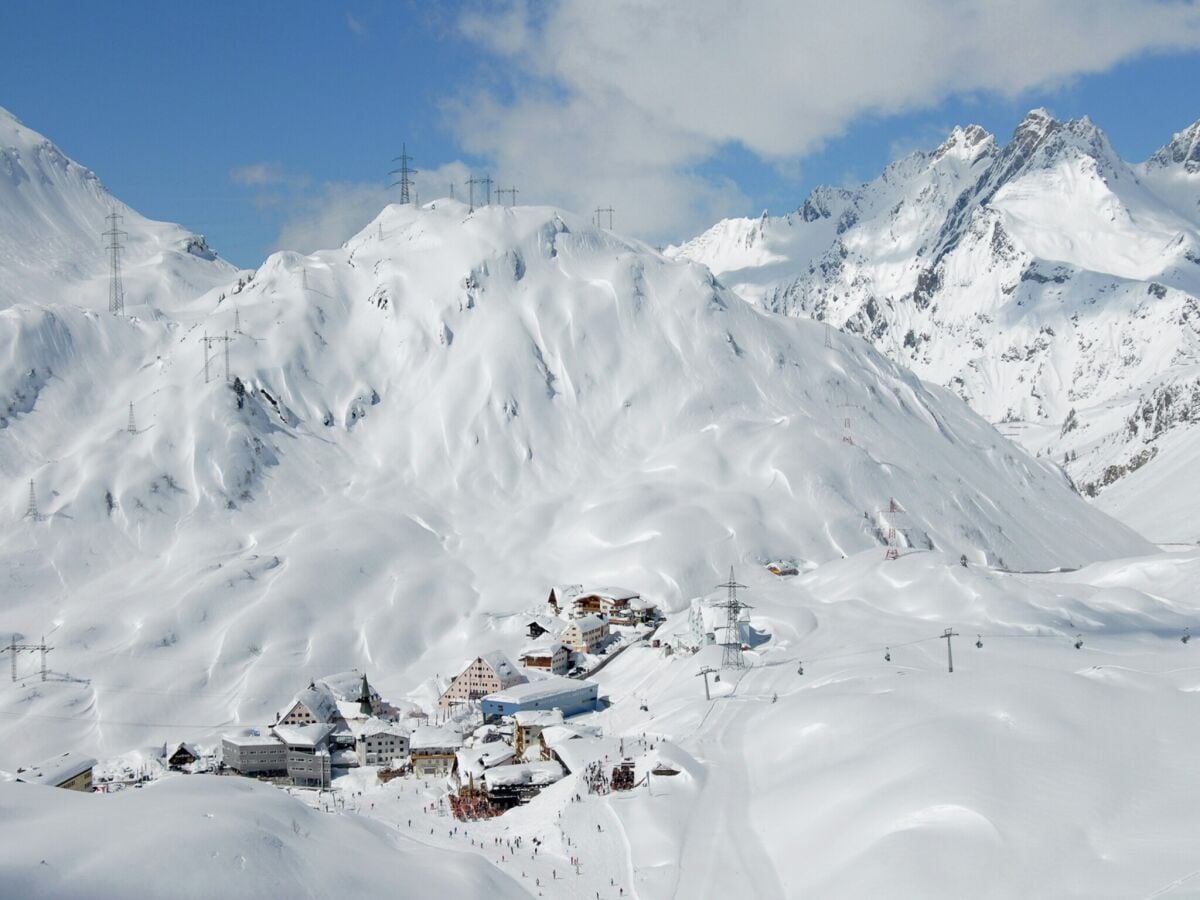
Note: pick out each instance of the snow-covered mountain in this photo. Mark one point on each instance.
(422, 430)
(1047, 282)
(467, 407)
(52, 216)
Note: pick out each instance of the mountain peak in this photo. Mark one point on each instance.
(966, 143)
(1183, 150)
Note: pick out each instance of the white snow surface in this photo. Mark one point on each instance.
(203, 836)
(1048, 282)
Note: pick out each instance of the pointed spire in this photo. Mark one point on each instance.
(364, 698)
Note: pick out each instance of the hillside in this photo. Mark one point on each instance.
(52, 216)
(1046, 281)
(468, 409)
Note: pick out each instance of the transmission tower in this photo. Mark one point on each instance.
(304, 279)
(132, 428)
(890, 514)
(116, 288)
(208, 342)
(828, 336)
(237, 321)
(731, 655)
(512, 192)
(847, 432)
(471, 182)
(605, 209)
(405, 183)
(14, 648)
(32, 511)
(487, 182)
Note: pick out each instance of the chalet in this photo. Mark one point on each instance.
(549, 656)
(605, 602)
(182, 756)
(68, 770)
(488, 673)
(432, 750)
(254, 751)
(586, 633)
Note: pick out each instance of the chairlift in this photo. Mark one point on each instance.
(644, 707)
(716, 678)
(979, 641)
(887, 654)
(800, 669)
(1079, 642)
(1187, 635)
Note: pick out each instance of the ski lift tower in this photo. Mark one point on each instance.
(731, 655)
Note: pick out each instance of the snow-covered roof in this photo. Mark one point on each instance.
(544, 772)
(504, 667)
(556, 734)
(375, 725)
(57, 769)
(543, 717)
(347, 686)
(251, 737)
(641, 603)
(432, 737)
(565, 592)
(476, 760)
(304, 735)
(575, 755)
(613, 593)
(588, 622)
(543, 648)
(536, 690)
(318, 698)
(189, 748)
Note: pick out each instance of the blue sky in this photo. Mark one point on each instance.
(261, 124)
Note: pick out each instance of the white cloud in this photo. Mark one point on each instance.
(261, 174)
(621, 101)
(337, 211)
(358, 26)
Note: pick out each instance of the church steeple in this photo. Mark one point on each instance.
(364, 698)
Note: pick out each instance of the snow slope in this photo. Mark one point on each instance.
(52, 214)
(205, 836)
(1046, 281)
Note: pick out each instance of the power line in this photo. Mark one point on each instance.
(471, 182)
(511, 191)
(605, 209)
